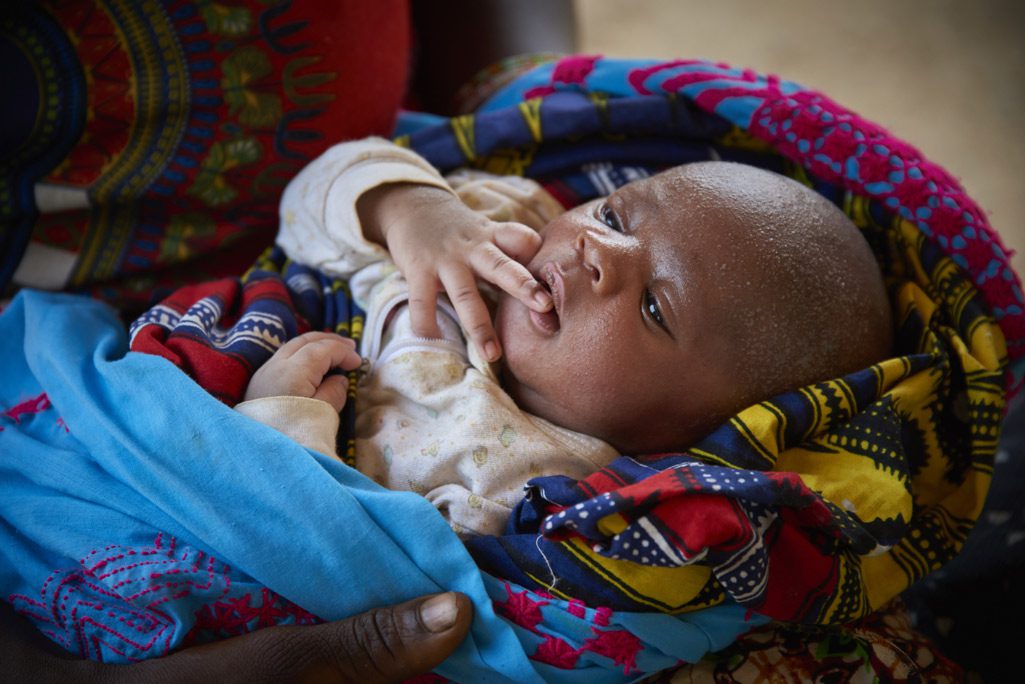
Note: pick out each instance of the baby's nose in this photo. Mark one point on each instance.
(603, 261)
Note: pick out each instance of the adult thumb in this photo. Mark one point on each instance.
(518, 241)
(394, 643)
(384, 645)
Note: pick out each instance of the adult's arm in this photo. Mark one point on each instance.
(383, 645)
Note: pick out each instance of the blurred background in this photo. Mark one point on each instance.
(948, 76)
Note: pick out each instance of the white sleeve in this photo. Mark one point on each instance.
(505, 198)
(310, 422)
(319, 224)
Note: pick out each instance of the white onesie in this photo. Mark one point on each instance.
(431, 416)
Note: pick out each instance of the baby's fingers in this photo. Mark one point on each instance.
(423, 303)
(461, 286)
(334, 390)
(297, 368)
(290, 348)
(498, 268)
(518, 241)
(321, 355)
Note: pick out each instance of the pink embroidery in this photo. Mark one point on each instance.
(556, 652)
(112, 603)
(576, 607)
(521, 609)
(237, 615)
(28, 407)
(619, 645)
(602, 616)
(709, 98)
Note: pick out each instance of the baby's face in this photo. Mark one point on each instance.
(636, 350)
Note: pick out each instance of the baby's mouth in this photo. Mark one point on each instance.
(549, 320)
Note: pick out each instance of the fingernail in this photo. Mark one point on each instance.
(491, 350)
(543, 299)
(439, 613)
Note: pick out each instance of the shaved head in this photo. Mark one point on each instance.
(820, 309)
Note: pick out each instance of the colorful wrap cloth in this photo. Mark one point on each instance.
(816, 506)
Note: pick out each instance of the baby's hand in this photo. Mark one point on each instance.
(437, 241)
(300, 369)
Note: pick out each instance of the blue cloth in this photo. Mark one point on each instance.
(131, 499)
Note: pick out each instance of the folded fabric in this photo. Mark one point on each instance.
(139, 514)
(220, 332)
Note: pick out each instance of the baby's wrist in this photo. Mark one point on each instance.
(386, 206)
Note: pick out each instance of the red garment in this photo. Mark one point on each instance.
(182, 121)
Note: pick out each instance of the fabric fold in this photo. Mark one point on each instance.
(140, 514)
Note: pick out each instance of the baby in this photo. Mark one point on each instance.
(634, 323)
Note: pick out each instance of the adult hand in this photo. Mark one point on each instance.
(383, 645)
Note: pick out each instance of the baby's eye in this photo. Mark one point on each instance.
(607, 216)
(653, 310)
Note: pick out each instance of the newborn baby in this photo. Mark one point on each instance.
(630, 324)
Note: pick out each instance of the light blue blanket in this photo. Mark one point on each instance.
(138, 513)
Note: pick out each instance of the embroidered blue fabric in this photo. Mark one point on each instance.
(132, 501)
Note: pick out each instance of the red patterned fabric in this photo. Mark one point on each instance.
(883, 647)
(177, 125)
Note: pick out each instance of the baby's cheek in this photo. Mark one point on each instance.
(588, 400)
(507, 327)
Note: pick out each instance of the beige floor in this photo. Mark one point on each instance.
(946, 75)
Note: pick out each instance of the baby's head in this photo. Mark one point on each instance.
(682, 298)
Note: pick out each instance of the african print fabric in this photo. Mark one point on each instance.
(220, 332)
(970, 607)
(146, 143)
(882, 647)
